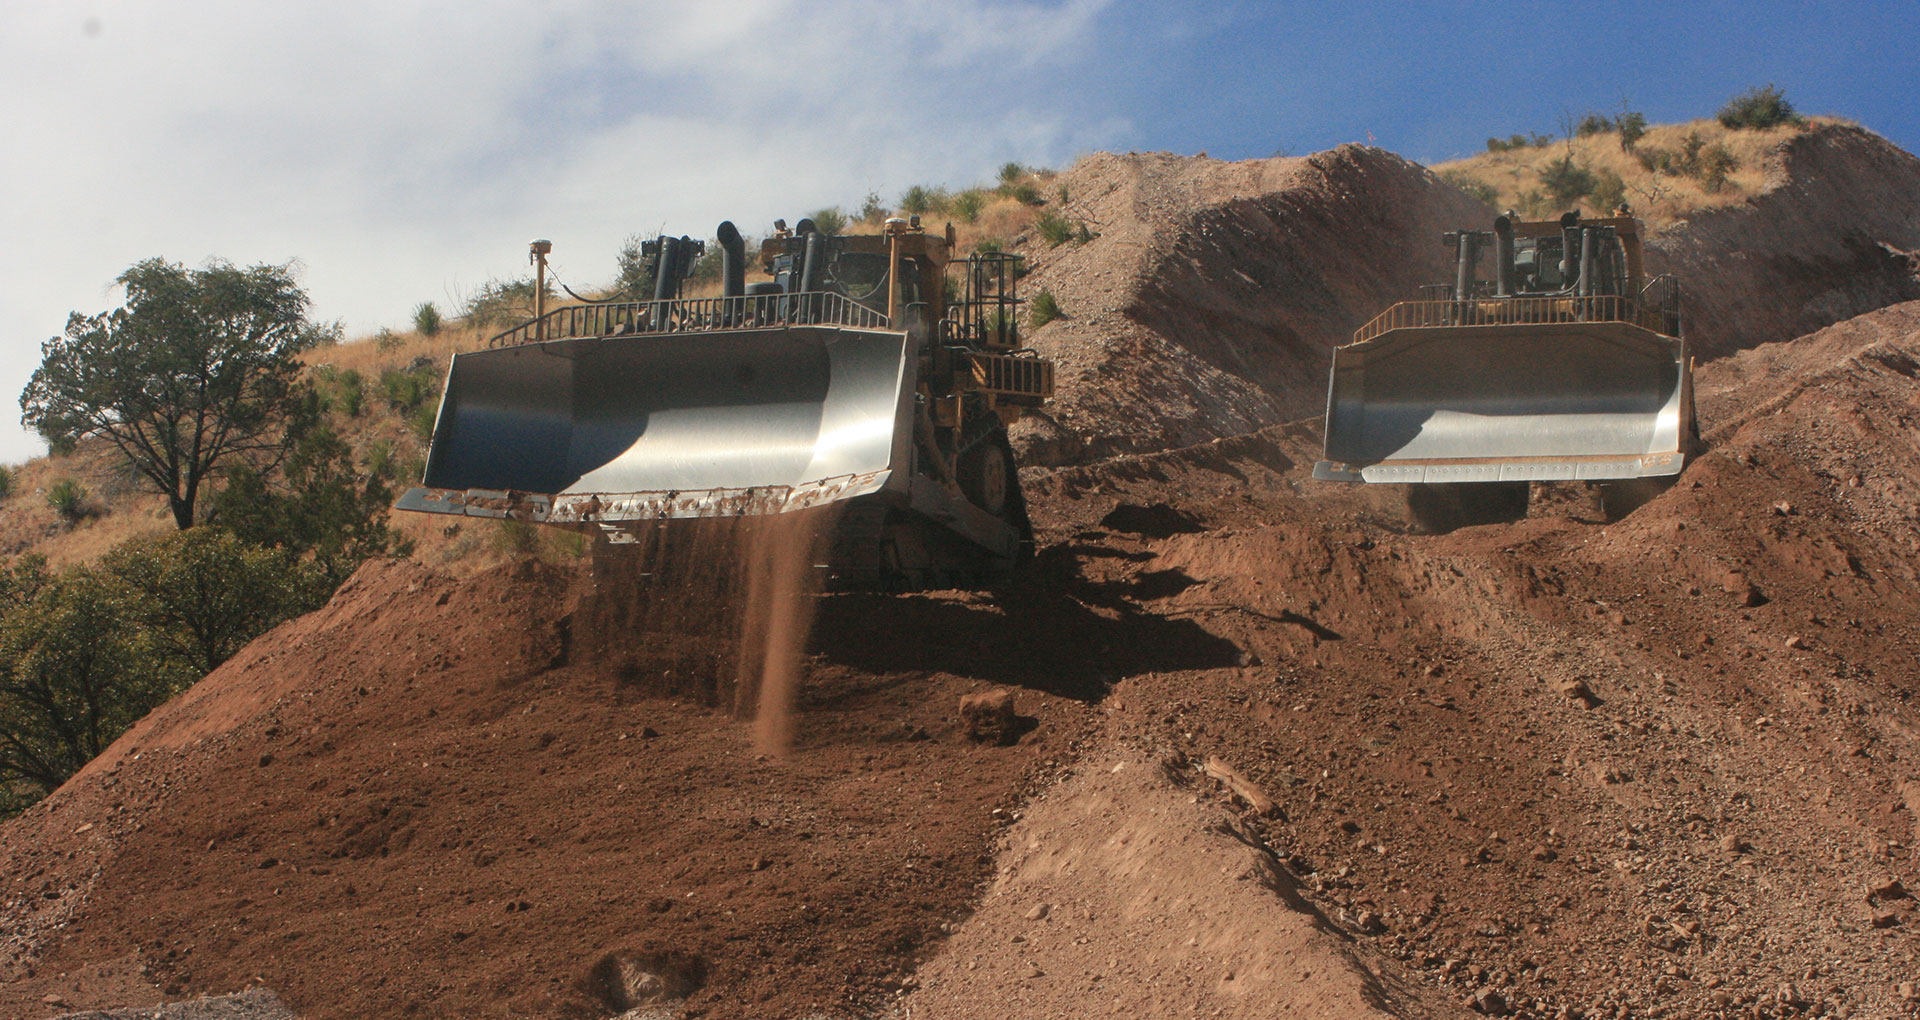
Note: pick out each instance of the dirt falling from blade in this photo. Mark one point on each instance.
(720, 609)
(778, 559)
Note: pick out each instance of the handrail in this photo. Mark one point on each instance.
(692, 315)
(1515, 311)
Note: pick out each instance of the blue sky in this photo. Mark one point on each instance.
(406, 152)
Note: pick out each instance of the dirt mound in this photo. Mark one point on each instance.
(1834, 233)
(418, 787)
(1654, 768)
(1207, 303)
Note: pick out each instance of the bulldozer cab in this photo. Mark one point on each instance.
(1566, 364)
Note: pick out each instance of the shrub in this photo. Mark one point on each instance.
(516, 537)
(871, 208)
(1609, 191)
(68, 498)
(408, 388)
(1518, 141)
(633, 271)
(1011, 173)
(829, 221)
(498, 302)
(1594, 124)
(421, 420)
(1566, 182)
(385, 340)
(6, 482)
(1758, 108)
(380, 459)
(1045, 309)
(968, 204)
(1026, 193)
(919, 200)
(340, 391)
(321, 510)
(1712, 167)
(1054, 228)
(1632, 127)
(426, 318)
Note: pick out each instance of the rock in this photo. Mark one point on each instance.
(988, 717)
(266, 760)
(1038, 912)
(1885, 919)
(1888, 889)
(1034, 972)
(1783, 509)
(648, 732)
(1489, 1001)
(1543, 854)
(1797, 643)
(1908, 991)
(53, 1000)
(1734, 844)
(1370, 922)
(1578, 691)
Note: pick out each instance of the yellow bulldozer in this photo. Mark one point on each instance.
(1569, 365)
(876, 373)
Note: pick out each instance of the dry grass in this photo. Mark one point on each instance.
(1658, 199)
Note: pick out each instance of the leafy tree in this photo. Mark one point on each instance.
(635, 279)
(1633, 127)
(77, 672)
(324, 510)
(829, 221)
(196, 369)
(203, 594)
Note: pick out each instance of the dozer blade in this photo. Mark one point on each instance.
(629, 428)
(1490, 403)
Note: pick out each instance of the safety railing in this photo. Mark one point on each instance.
(1661, 316)
(692, 315)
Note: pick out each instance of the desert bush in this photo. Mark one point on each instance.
(1713, 166)
(381, 459)
(406, 389)
(1054, 228)
(1609, 190)
(829, 221)
(872, 210)
(1011, 173)
(968, 204)
(318, 508)
(1593, 124)
(502, 302)
(68, 498)
(1632, 127)
(988, 245)
(633, 271)
(426, 318)
(1518, 141)
(1026, 193)
(1758, 108)
(6, 482)
(919, 200)
(516, 537)
(340, 391)
(1566, 182)
(1045, 309)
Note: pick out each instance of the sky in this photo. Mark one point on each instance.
(406, 152)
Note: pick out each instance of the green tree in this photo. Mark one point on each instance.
(196, 369)
(203, 594)
(77, 672)
(323, 509)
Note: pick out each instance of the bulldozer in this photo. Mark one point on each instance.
(875, 374)
(1568, 366)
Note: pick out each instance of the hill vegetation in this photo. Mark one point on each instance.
(1663, 173)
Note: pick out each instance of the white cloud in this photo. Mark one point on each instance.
(403, 152)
